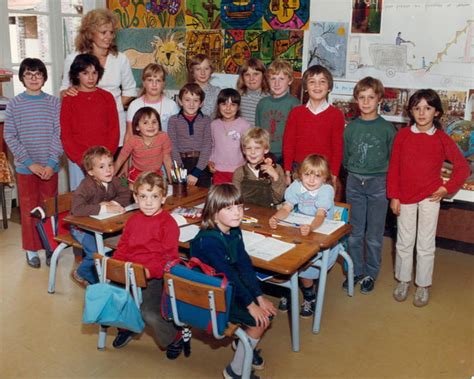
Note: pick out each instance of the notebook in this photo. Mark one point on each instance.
(186, 232)
(106, 215)
(296, 219)
(265, 248)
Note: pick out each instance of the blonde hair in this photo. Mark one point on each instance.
(150, 70)
(151, 179)
(219, 196)
(258, 135)
(367, 83)
(315, 164)
(257, 65)
(280, 66)
(89, 24)
(94, 152)
(195, 61)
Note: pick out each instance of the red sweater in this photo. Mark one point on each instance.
(89, 119)
(307, 133)
(149, 241)
(414, 172)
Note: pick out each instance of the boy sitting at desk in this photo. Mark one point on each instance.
(99, 192)
(150, 238)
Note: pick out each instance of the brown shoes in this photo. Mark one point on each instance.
(79, 280)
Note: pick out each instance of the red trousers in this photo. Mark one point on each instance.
(32, 191)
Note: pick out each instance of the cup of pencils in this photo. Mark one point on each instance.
(179, 180)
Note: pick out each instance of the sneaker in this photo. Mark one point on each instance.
(122, 339)
(187, 334)
(228, 373)
(258, 362)
(307, 308)
(401, 291)
(174, 349)
(367, 284)
(34, 261)
(283, 305)
(357, 279)
(422, 296)
(79, 279)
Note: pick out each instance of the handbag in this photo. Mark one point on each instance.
(111, 305)
(199, 272)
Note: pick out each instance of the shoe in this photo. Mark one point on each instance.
(283, 305)
(367, 285)
(422, 296)
(33, 261)
(79, 279)
(123, 338)
(401, 291)
(228, 373)
(187, 342)
(307, 308)
(258, 362)
(357, 279)
(174, 349)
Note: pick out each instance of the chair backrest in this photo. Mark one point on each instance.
(342, 212)
(116, 271)
(64, 202)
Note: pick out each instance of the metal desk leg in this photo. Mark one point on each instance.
(4, 206)
(295, 314)
(99, 240)
(321, 289)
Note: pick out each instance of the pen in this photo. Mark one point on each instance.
(267, 234)
(287, 222)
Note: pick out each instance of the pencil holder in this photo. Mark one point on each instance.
(180, 190)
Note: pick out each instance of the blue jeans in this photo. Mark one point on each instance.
(86, 269)
(367, 195)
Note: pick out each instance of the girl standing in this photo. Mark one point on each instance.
(226, 130)
(149, 146)
(200, 71)
(415, 187)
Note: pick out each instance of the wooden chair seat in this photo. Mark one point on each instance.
(67, 239)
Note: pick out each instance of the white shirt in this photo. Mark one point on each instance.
(321, 108)
(415, 130)
(165, 108)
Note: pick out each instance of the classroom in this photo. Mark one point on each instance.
(314, 158)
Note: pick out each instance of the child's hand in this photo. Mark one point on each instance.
(147, 273)
(113, 207)
(439, 194)
(37, 169)
(395, 206)
(259, 315)
(212, 167)
(70, 91)
(305, 229)
(267, 306)
(273, 222)
(192, 180)
(47, 173)
(270, 170)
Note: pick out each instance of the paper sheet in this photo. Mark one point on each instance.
(106, 215)
(265, 248)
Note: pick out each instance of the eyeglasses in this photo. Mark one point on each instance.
(33, 75)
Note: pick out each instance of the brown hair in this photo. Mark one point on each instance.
(193, 89)
(150, 179)
(144, 112)
(279, 65)
(219, 197)
(195, 61)
(316, 70)
(94, 152)
(257, 65)
(89, 24)
(259, 135)
(369, 83)
(150, 70)
(315, 164)
(224, 96)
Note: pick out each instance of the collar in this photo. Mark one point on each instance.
(199, 112)
(304, 190)
(321, 108)
(41, 95)
(415, 130)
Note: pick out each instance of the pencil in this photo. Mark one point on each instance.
(287, 222)
(267, 234)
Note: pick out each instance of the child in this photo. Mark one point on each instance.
(226, 130)
(98, 193)
(315, 127)
(150, 238)
(272, 111)
(220, 245)
(190, 134)
(313, 195)
(414, 186)
(260, 180)
(88, 119)
(152, 95)
(149, 146)
(200, 70)
(252, 86)
(367, 144)
(32, 134)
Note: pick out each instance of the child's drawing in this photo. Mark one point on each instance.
(242, 14)
(207, 42)
(286, 14)
(203, 14)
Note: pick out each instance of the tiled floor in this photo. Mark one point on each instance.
(365, 336)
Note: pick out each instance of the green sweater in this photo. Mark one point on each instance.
(367, 146)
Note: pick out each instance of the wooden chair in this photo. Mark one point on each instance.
(116, 273)
(207, 297)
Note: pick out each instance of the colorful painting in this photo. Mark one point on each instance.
(286, 14)
(328, 46)
(163, 46)
(203, 14)
(454, 106)
(207, 42)
(366, 16)
(394, 103)
(240, 45)
(242, 14)
(346, 104)
(148, 13)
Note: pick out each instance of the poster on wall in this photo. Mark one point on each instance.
(286, 14)
(394, 102)
(366, 16)
(207, 42)
(242, 14)
(203, 14)
(328, 46)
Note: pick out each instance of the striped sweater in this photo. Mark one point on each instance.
(32, 131)
(248, 105)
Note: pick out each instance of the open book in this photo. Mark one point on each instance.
(296, 219)
(186, 232)
(266, 248)
(105, 215)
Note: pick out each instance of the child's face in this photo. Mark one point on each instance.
(102, 169)
(279, 84)
(229, 217)
(253, 79)
(254, 152)
(368, 102)
(190, 103)
(312, 181)
(228, 110)
(149, 200)
(154, 85)
(88, 79)
(318, 87)
(202, 72)
(424, 114)
(103, 36)
(148, 126)
(33, 80)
